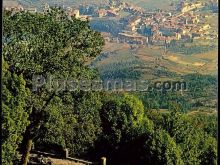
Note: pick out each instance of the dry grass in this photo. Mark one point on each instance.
(63, 162)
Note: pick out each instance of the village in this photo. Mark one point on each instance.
(143, 27)
(160, 27)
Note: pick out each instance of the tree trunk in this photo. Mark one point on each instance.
(25, 156)
(37, 117)
(29, 135)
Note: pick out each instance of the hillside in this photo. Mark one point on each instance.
(55, 104)
(149, 4)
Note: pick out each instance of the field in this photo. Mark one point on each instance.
(152, 63)
(152, 4)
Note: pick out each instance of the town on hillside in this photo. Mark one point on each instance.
(142, 27)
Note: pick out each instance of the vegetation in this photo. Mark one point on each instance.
(37, 44)
(119, 66)
(195, 96)
(179, 47)
(126, 128)
(15, 115)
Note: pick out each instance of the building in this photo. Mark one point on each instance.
(85, 17)
(76, 13)
(46, 8)
(111, 13)
(132, 38)
(134, 21)
(178, 36)
(130, 28)
(12, 6)
(101, 13)
(205, 27)
(31, 9)
(186, 7)
(73, 12)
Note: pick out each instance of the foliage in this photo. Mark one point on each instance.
(195, 143)
(129, 137)
(197, 83)
(119, 65)
(120, 115)
(15, 116)
(194, 96)
(73, 123)
(186, 50)
(48, 44)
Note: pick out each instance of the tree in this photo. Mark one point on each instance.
(129, 137)
(47, 44)
(209, 150)
(165, 150)
(74, 123)
(119, 115)
(15, 116)
(194, 142)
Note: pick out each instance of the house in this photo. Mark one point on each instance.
(178, 36)
(85, 17)
(183, 30)
(159, 40)
(76, 13)
(111, 13)
(12, 6)
(73, 12)
(101, 13)
(134, 21)
(130, 28)
(132, 38)
(186, 7)
(205, 27)
(15, 9)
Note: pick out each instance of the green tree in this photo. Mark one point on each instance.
(47, 44)
(73, 123)
(194, 142)
(129, 137)
(119, 115)
(165, 150)
(209, 150)
(15, 116)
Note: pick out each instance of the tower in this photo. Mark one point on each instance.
(46, 7)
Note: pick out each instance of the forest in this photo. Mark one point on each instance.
(126, 128)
